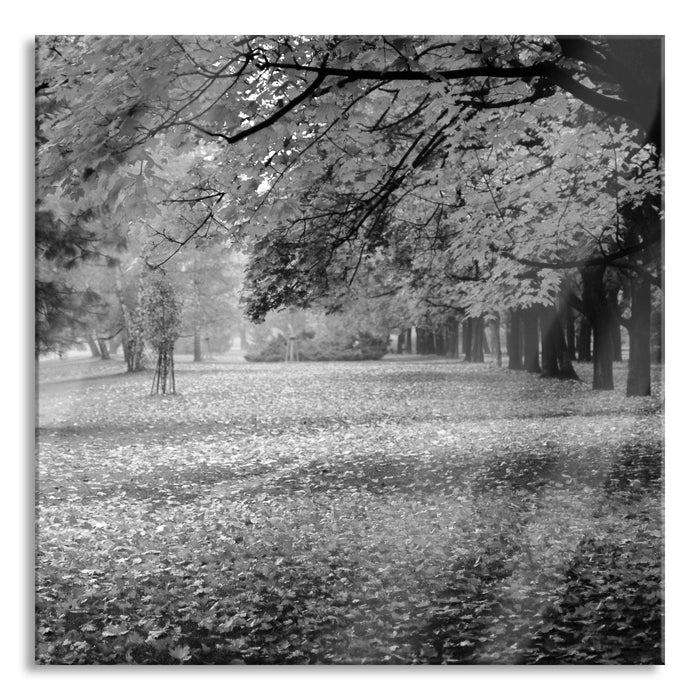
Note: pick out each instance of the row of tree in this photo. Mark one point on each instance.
(466, 176)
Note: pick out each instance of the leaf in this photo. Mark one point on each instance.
(181, 653)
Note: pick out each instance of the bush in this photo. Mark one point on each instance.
(323, 349)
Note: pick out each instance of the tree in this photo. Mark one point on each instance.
(161, 311)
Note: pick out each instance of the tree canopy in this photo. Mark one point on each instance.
(468, 172)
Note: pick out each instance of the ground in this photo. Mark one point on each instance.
(398, 511)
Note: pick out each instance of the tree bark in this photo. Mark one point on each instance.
(485, 339)
(408, 349)
(453, 337)
(639, 367)
(429, 339)
(93, 347)
(583, 347)
(616, 336)
(467, 332)
(566, 369)
(197, 352)
(439, 341)
(424, 342)
(570, 332)
(548, 329)
(514, 345)
(598, 309)
(657, 334)
(531, 342)
(478, 339)
(104, 350)
(495, 325)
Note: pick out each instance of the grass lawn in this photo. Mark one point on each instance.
(380, 512)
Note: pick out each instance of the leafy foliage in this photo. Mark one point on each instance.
(383, 512)
(319, 349)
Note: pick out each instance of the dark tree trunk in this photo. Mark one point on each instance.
(616, 336)
(399, 343)
(478, 340)
(600, 314)
(583, 347)
(603, 354)
(439, 341)
(408, 350)
(93, 347)
(570, 332)
(566, 369)
(104, 350)
(424, 342)
(548, 329)
(467, 332)
(453, 337)
(531, 341)
(197, 354)
(420, 341)
(514, 336)
(495, 325)
(639, 368)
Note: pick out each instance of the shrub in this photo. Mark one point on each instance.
(323, 349)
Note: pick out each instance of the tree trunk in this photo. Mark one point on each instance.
(408, 350)
(197, 354)
(485, 339)
(583, 348)
(598, 309)
(514, 337)
(104, 350)
(657, 335)
(453, 337)
(399, 343)
(424, 342)
(548, 329)
(467, 332)
(478, 340)
(132, 333)
(164, 375)
(419, 341)
(531, 341)
(616, 337)
(566, 369)
(93, 347)
(439, 340)
(639, 367)
(570, 332)
(495, 325)
(603, 354)
(429, 339)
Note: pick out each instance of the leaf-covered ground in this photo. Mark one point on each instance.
(382, 512)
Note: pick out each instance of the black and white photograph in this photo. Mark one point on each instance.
(349, 349)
